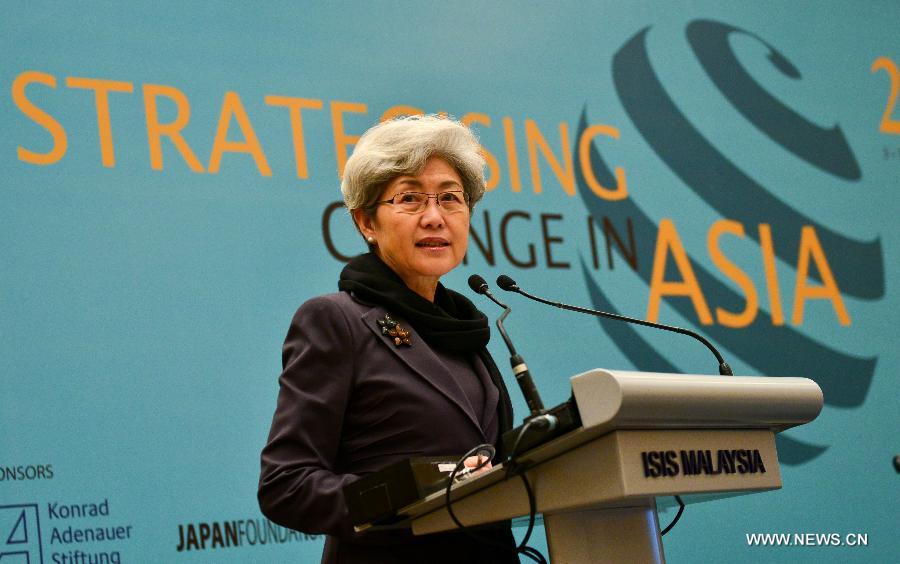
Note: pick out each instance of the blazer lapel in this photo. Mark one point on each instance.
(491, 392)
(422, 360)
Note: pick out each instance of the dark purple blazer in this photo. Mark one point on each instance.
(352, 402)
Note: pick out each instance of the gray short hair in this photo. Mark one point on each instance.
(401, 147)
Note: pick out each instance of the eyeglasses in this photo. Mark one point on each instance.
(451, 201)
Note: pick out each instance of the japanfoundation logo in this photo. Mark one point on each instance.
(235, 533)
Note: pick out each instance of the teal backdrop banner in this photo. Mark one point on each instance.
(170, 195)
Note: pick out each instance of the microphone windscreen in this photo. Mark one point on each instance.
(478, 284)
(506, 283)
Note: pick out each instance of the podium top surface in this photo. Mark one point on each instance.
(619, 399)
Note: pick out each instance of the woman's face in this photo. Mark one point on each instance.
(424, 246)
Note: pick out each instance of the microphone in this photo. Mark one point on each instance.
(508, 284)
(519, 368)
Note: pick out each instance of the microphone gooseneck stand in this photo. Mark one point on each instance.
(508, 284)
(542, 424)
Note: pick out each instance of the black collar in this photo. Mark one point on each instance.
(451, 323)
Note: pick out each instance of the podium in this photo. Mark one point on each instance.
(643, 435)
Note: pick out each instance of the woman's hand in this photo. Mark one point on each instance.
(473, 462)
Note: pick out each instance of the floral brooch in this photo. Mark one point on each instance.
(394, 330)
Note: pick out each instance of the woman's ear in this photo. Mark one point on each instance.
(364, 222)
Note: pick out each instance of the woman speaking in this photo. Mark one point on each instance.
(394, 365)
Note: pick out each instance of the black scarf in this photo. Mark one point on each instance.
(451, 323)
